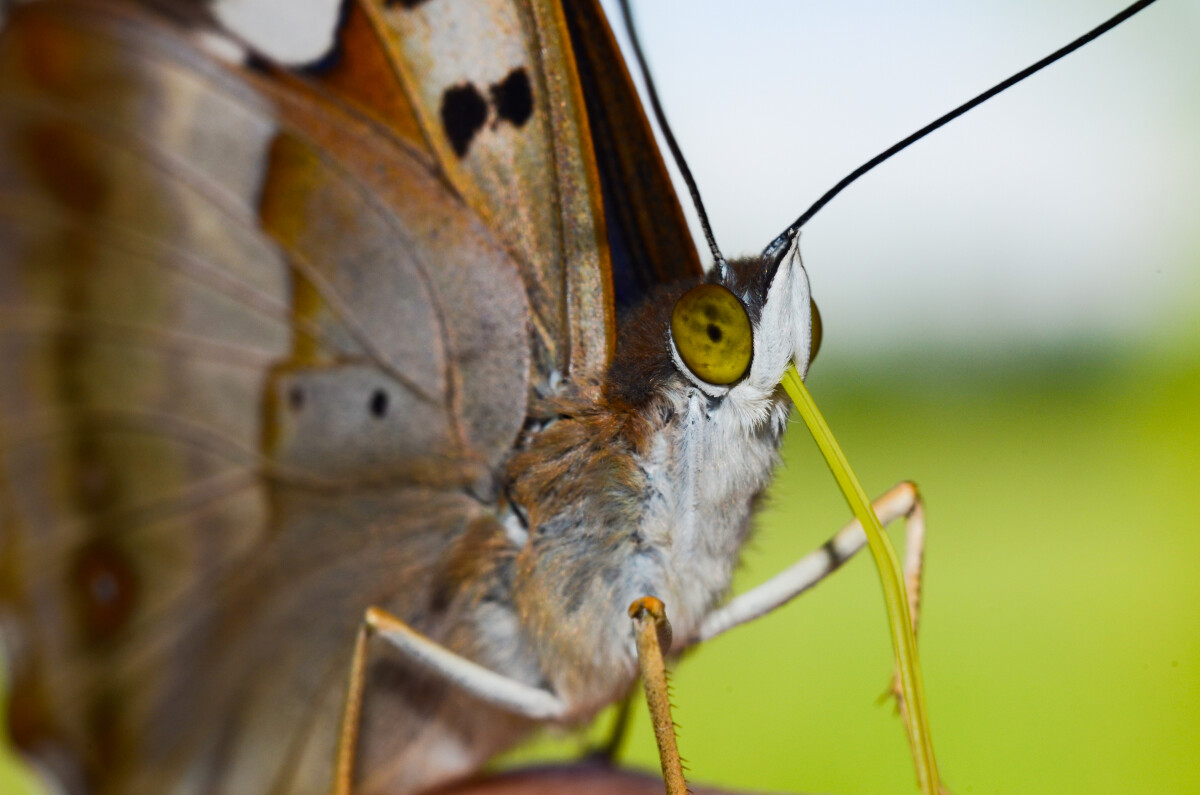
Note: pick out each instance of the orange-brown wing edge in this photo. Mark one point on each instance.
(648, 231)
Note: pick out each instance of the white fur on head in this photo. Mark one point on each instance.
(782, 335)
(707, 466)
(801, 308)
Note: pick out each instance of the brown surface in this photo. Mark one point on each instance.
(585, 778)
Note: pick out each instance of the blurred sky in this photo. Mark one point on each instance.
(1066, 209)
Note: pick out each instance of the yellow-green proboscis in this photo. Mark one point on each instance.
(904, 641)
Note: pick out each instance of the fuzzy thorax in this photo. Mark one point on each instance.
(645, 486)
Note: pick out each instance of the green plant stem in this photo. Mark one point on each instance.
(904, 642)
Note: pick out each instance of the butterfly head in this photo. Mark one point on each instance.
(728, 339)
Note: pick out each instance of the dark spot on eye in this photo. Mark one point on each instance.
(714, 332)
(379, 403)
(711, 312)
(513, 98)
(296, 398)
(105, 590)
(464, 110)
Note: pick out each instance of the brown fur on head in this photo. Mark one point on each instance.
(642, 364)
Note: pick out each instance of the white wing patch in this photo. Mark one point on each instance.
(289, 32)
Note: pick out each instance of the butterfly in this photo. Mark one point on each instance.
(326, 321)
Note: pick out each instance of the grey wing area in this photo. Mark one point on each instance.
(240, 401)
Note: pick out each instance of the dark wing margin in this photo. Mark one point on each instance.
(647, 231)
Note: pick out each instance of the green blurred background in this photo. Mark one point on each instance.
(1012, 314)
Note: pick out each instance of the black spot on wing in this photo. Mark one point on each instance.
(379, 403)
(513, 98)
(464, 111)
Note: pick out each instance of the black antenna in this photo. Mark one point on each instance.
(661, 117)
(790, 233)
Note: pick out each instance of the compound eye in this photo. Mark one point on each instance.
(711, 331)
(814, 346)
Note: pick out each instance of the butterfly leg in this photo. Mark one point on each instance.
(653, 634)
(497, 689)
(902, 500)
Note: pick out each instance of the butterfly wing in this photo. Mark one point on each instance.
(531, 112)
(236, 357)
(265, 345)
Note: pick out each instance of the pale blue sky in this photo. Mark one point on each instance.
(1068, 207)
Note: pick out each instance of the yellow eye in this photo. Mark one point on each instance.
(712, 334)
